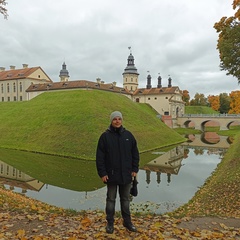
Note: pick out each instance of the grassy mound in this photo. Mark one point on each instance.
(69, 123)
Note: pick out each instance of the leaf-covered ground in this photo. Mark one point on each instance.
(24, 218)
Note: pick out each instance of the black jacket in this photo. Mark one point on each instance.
(117, 155)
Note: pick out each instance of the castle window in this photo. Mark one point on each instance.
(2, 99)
(20, 86)
(15, 98)
(166, 97)
(20, 98)
(8, 88)
(126, 79)
(155, 98)
(131, 79)
(14, 87)
(2, 88)
(39, 76)
(8, 99)
(149, 98)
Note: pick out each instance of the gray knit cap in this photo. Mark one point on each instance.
(115, 114)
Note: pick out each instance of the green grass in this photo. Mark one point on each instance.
(199, 110)
(73, 174)
(69, 123)
(184, 131)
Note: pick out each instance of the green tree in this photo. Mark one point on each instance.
(3, 9)
(199, 100)
(224, 100)
(229, 42)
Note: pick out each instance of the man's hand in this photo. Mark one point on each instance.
(104, 178)
(134, 174)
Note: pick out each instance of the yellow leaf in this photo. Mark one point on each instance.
(41, 218)
(20, 233)
(86, 221)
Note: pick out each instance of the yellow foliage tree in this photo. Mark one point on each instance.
(234, 102)
(214, 102)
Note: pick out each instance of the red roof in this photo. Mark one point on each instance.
(18, 73)
(76, 84)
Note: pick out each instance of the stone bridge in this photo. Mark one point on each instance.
(198, 121)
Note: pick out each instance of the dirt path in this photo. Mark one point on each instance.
(210, 223)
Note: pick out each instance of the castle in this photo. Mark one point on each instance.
(26, 83)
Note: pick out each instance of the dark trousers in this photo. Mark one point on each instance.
(124, 193)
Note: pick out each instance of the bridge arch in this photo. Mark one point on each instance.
(189, 124)
(210, 123)
(234, 123)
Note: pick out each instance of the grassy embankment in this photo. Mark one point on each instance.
(69, 123)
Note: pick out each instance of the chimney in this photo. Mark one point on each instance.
(169, 82)
(159, 82)
(25, 65)
(149, 82)
(12, 67)
(2, 69)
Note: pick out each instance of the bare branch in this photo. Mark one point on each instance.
(3, 9)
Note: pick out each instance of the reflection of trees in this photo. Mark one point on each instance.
(215, 151)
(198, 151)
(186, 152)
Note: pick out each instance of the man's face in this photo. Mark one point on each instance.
(117, 122)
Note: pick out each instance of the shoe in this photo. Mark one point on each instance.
(130, 227)
(109, 228)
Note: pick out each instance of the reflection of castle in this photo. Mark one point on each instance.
(169, 163)
(15, 178)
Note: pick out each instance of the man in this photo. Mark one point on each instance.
(117, 161)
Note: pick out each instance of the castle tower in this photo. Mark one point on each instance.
(64, 75)
(159, 81)
(130, 74)
(169, 82)
(149, 79)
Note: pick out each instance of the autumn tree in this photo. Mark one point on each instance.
(199, 100)
(234, 102)
(214, 102)
(186, 97)
(3, 9)
(229, 42)
(224, 100)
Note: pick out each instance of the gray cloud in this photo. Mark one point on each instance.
(167, 37)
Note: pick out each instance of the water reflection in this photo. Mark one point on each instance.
(167, 181)
(15, 178)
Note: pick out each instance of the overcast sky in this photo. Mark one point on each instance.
(173, 38)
